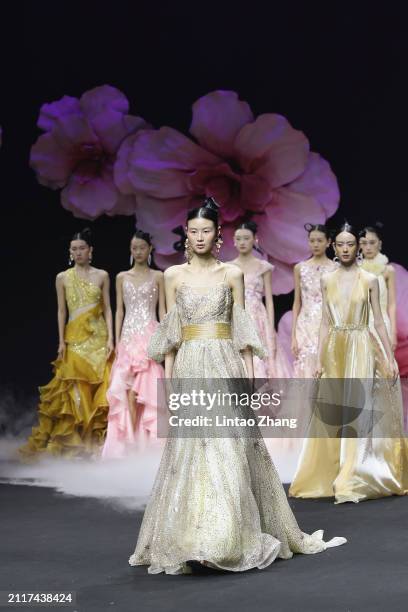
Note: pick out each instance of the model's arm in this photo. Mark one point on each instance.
(170, 288)
(392, 305)
(107, 311)
(236, 282)
(119, 307)
(297, 304)
(323, 331)
(267, 278)
(380, 326)
(162, 296)
(62, 314)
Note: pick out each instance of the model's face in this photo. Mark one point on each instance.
(244, 240)
(201, 235)
(370, 245)
(140, 250)
(80, 251)
(318, 242)
(345, 247)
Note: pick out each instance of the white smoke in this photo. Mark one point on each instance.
(124, 483)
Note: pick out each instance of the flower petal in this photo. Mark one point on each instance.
(112, 127)
(159, 218)
(159, 162)
(401, 283)
(51, 163)
(217, 119)
(280, 230)
(89, 199)
(103, 98)
(272, 149)
(319, 181)
(73, 130)
(49, 113)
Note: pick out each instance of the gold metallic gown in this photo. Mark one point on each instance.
(73, 406)
(362, 467)
(215, 499)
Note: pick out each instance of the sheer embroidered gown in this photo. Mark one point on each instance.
(310, 315)
(215, 499)
(273, 366)
(131, 427)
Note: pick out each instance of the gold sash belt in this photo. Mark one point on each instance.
(219, 331)
(348, 327)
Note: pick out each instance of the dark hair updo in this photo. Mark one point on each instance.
(346, 227)
(317, 227)
(373, 229)
(85, 235)
(248, 225)
(208, 210)
(141, 235)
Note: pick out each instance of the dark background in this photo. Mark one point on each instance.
(338, 73)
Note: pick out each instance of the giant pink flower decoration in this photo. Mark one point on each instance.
(401, 353)
(78, 150)
(262, 166)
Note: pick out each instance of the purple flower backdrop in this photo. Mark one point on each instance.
(108, 162)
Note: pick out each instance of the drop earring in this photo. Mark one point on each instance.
(149, 259)
(360, 258)
(131, 260)
(187, 250)
(218, 243)
(70, 260)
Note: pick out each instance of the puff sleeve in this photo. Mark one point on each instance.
(244, 334)
(166, 337)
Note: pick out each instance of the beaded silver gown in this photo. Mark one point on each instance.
(218, 500)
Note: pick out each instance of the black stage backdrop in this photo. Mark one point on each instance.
(338, 73)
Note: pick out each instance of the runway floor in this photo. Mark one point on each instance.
(55, 542)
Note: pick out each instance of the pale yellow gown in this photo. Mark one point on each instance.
(217, 499)
(371, 465)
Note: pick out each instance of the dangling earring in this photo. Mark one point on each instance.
(218, 243)
(131, 260)
(90, 258)
(70, 260)
(335, 258)
(187, 250)
(149, 259)
(360, 258)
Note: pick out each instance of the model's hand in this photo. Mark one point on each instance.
(110, 347)
(319, 371)
(294, 347)
(393, 371)
(61, 350)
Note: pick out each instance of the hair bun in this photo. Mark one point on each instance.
(211, 203)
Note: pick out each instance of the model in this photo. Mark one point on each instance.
(73, 407)
(132, 393)
(215, 500)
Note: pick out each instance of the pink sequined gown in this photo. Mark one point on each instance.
(133, 370)
(273, 366)
(308, 322)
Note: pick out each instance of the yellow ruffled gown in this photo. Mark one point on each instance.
(366, 466)
(73, 407)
